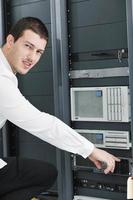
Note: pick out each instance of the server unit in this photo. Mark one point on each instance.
(100, 104)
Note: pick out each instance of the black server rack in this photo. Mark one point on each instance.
(17, 142)
(99, 42)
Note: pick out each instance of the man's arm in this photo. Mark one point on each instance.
(22, 113)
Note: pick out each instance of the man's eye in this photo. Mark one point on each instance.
(40, 53)
(28, 46)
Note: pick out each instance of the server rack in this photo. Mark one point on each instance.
(119, 53)
(110, 52)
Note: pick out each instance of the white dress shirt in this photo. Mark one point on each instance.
(15, 108)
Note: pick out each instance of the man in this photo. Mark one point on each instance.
(24, 46)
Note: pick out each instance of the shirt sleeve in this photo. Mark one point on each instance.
(22, 113)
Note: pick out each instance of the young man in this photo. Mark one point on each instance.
(24, 46)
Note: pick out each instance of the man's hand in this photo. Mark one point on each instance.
(98, 157)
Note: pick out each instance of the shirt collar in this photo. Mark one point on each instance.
(4, 60)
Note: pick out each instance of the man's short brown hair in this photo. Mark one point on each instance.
(29, 23)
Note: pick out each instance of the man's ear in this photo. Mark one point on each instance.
(10, 40)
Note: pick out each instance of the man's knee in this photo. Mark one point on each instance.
(38, 172)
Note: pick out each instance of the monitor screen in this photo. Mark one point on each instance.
(89, 104)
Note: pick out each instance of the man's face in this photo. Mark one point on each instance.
(25, 52)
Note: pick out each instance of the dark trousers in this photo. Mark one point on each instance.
(25, 178)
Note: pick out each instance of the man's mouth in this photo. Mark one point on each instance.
(27, 65)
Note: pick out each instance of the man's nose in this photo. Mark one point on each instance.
(31, 56)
